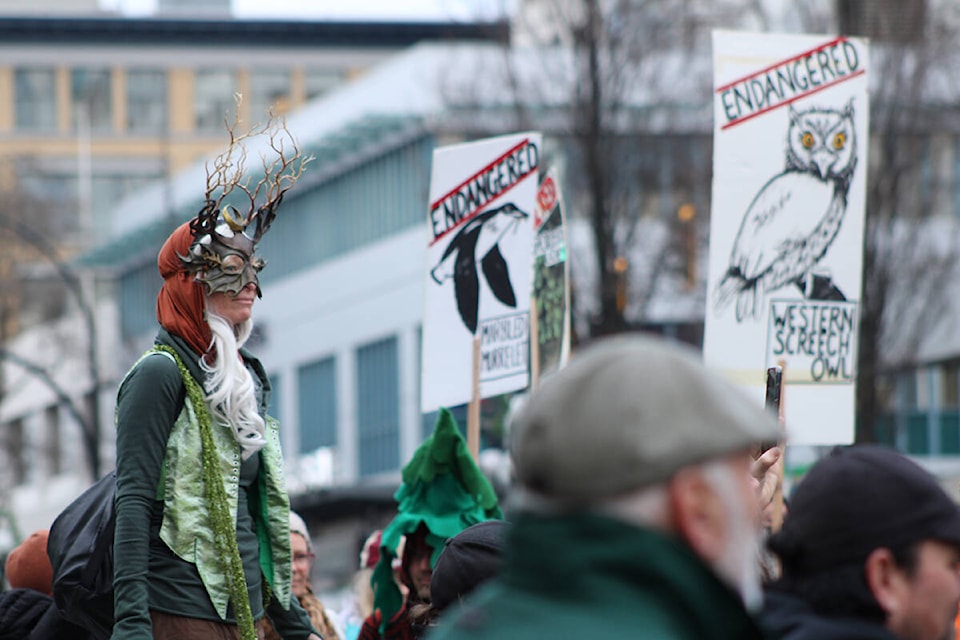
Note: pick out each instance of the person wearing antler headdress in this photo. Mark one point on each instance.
(202, 538)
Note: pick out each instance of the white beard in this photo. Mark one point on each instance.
(738, 565)
(229, 387)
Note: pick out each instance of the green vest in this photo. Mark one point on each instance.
(186, 527)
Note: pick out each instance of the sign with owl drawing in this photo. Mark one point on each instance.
(786, 230)
(479, 257)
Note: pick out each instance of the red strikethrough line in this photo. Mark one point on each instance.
(436, 204)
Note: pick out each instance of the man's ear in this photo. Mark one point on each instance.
(697, 513)
(886, 580)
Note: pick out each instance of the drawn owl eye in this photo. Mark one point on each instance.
(807, 140)
(839, 140)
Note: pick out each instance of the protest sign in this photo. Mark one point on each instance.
(786, 231)
(551, 282)
(480, 219)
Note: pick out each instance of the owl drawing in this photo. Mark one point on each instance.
(796, 215)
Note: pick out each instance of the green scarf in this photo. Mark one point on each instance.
(224, 529)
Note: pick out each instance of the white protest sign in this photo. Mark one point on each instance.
(482, 199)
(786, 229)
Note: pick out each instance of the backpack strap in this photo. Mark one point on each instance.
(162, 484)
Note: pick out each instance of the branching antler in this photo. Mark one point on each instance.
(227, 174)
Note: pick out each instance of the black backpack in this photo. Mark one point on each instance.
(80, 546)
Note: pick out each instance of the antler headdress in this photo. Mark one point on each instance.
(224, 240)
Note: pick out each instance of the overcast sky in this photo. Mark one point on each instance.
(341, 9)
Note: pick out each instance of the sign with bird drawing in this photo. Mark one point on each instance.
(786, 228)
(482, 201)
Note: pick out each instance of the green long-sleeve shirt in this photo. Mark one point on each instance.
(147, 574)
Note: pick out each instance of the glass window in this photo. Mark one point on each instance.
(60, 192)
(273, 407)
(36, 99)
(317, 82)
(950, 386)
(90, 97)
(52, 195)
(956, 177)
(923, 389)
(213, 99)
(269, 89)
(378, 407)
(107, 190)
(146, 101)
(138, 300)
(322, 232)
(317, 396)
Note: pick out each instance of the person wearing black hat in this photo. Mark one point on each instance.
(469, 559)
(870, 548)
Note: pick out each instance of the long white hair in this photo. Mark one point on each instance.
(229, 386)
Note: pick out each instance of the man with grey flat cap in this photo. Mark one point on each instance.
(635, 515)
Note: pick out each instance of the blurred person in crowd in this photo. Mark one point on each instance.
(635, 511)
(202, 536)
(360, 604)
(869, 549)
(301, 546)
(27, 610)
(468, 560)
(443, 492)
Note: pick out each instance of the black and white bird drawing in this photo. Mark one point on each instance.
(796, 215)
(479, 242)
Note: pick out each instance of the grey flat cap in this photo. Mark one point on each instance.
(627, 412)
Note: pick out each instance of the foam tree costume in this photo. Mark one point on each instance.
(442, 488)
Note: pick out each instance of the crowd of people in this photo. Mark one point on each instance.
(639, 505)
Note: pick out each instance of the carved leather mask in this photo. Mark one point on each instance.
(223, 260)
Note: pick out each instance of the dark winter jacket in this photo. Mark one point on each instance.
(586, 576)
(787, 617)
(26, 614)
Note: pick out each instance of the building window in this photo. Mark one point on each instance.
(269, 89)
(146, 101)
(90, 97)
(949, 386)
(956, 177)
(138, 298)
(317, 82)
(378, 407)
(213, 98)
(51, 197)
(322, 232)
(273, 407)
(108, 189)
(317, 399)
(36, 99)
